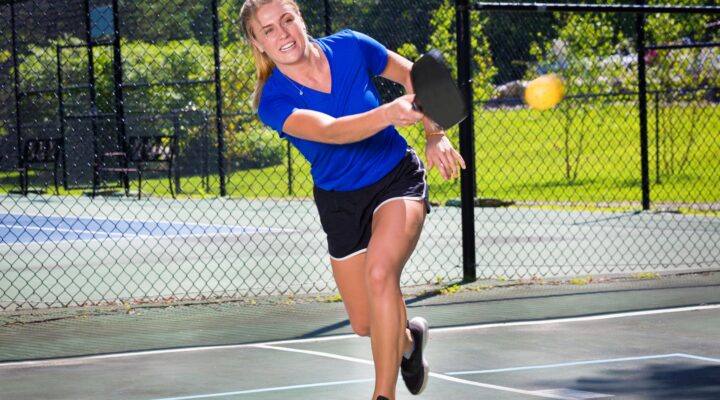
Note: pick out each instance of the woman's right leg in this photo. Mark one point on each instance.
(351, 279)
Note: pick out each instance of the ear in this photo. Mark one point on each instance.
(257, 45)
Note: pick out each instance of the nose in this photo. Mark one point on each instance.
(284, 31)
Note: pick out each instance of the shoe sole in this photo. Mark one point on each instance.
(426, 367)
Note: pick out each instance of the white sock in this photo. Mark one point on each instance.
(408, 353)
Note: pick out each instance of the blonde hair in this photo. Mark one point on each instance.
(263, 64)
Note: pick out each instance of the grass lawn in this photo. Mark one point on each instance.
(585, 155)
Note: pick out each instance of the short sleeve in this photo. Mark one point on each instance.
(274, 110)
(374, 52)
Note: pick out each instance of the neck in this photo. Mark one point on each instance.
(305, 70)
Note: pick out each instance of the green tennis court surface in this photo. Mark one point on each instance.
(654, 339)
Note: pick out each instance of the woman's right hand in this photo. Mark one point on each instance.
(400, 112)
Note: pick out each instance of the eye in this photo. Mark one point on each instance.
(268, 31)
(288, 20)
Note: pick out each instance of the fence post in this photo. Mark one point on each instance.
(642, 92)
(290, 169)
(92, 91)
(328, 19)
(61, 112)
(218, 98)
(177, 133)
(16, 88)
(658, 180)
(119, 99)
(467, 176)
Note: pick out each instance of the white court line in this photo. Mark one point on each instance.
(271, 389)
(576, 363)
(433, 374)
(444, 376)
(77, 360)
(497, 387)
(51, 229)
(699, 357)
(148, 221)
(219, 230)
(315, 353)
(579, 319)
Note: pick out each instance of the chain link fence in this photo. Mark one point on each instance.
(594, 151)
(170, 189)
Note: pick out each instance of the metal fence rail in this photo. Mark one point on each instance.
(620, 177)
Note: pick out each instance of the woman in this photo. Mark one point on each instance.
(370, 187)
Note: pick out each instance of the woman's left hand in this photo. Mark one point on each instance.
(440, 153)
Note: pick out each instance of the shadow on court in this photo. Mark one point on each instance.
(673, 381)
(652, 339)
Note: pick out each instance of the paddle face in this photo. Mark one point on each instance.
(436, 94)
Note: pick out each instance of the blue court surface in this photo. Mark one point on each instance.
(22, 228)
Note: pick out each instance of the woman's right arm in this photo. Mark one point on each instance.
(320, 127)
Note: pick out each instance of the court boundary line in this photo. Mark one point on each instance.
(436, 375)
(585, 362)
(625, 314)
(244, 230)
(269, 389)
(79, 359)
(160, 221)
(447, 376)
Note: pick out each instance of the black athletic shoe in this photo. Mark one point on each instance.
(415, 369)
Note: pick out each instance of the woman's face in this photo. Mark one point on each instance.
(279, 32)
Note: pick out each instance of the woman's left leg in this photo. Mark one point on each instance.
(396, 229)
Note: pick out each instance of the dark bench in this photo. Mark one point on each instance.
(145, 154)
(39, 154)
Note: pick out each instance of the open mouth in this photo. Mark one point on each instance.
(287, 47)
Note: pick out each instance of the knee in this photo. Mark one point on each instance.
(380, 278)
(360, 329)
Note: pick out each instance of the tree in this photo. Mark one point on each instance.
(442, 38)
(589, 53)
(679, 75)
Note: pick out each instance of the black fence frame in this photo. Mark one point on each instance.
(464, 69)
(464, 8)
(119, 86)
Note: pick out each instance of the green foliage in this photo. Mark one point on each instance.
(594, 52)
(159, 21)
(228, 14)
(681, 67)
(646, 275)
(587, 52)
(581, 281)
(152, 72)
(392, 23)
(594, 55)
(442, 20)
(409, 51)
(5, 55)
(238, 77)
(255, 146)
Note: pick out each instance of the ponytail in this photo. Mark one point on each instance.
(263, 68)
(263, 64)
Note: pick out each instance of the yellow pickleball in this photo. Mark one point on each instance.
(544, 92)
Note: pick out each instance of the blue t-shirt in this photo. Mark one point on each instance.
(354, 59)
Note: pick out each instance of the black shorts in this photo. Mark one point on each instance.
(346, 217)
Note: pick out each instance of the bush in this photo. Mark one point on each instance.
(253, 147)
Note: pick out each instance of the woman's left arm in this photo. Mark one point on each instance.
(439, 152)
